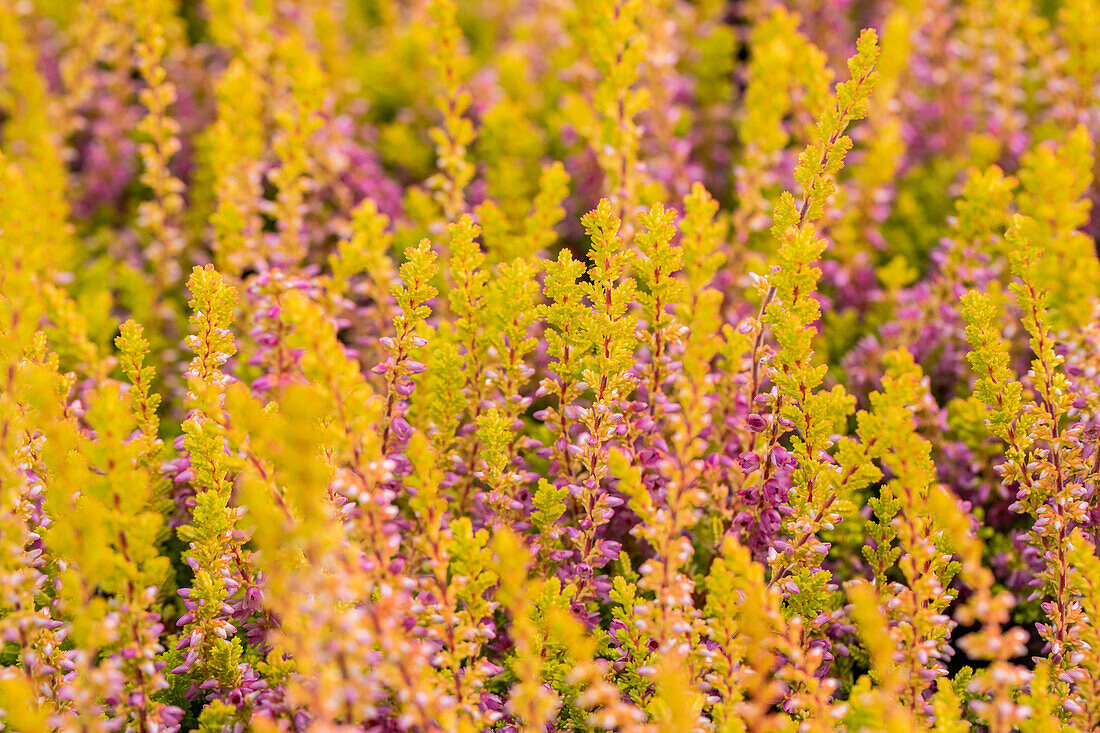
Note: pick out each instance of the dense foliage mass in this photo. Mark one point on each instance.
(539, 365)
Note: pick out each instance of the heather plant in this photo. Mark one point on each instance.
(539, 365)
